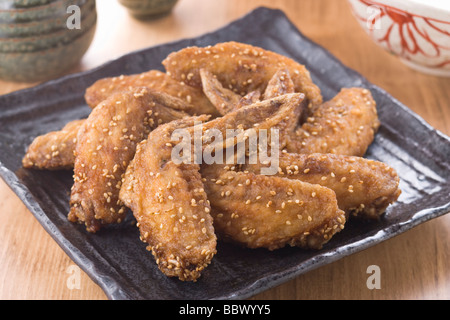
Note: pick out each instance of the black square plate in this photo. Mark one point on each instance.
(116, 259)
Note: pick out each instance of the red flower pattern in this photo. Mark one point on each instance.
(407, 26)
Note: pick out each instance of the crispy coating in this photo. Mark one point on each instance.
(364, 188)
(280, 84)
(226, 101)
(223, 99)
(239, 67)
(249, 99)
(195, 100)
(280, 113)
(106, 144)
(271, 212)
(170, 205)
(345, 125)
(279, 109)
(54, 150)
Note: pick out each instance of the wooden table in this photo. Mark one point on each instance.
(414, 265)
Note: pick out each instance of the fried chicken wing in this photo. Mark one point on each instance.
(170, 205)
(364, 188)
(239, 67)
(270, 212)
(345, 125)
(195, 100)
(54, 150)
(106, 144)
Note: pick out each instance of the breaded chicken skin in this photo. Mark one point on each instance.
(280, 113)
(194, 99)
(364, 188)
(170, 205)
(106, 144)
(239, 67)
(226, 101)
(280, 84)
(223, 99)
(345, 125)
(54, 150)
(271, 212)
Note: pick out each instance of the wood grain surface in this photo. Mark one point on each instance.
(414, 265)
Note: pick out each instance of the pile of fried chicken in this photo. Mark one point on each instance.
(121, 157)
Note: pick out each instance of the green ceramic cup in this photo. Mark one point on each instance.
(42, 26)
(145, 9)
(47, 40)
(43, 55)
(29, 3)
(27, 14)
(45, 64)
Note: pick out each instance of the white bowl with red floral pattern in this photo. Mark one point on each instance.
(417, 31)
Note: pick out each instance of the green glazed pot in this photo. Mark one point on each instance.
(26, 14)
(29, 3)
(45, 64)
(46, 54)
(49, 40)
(43, 26)
(144, 9)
